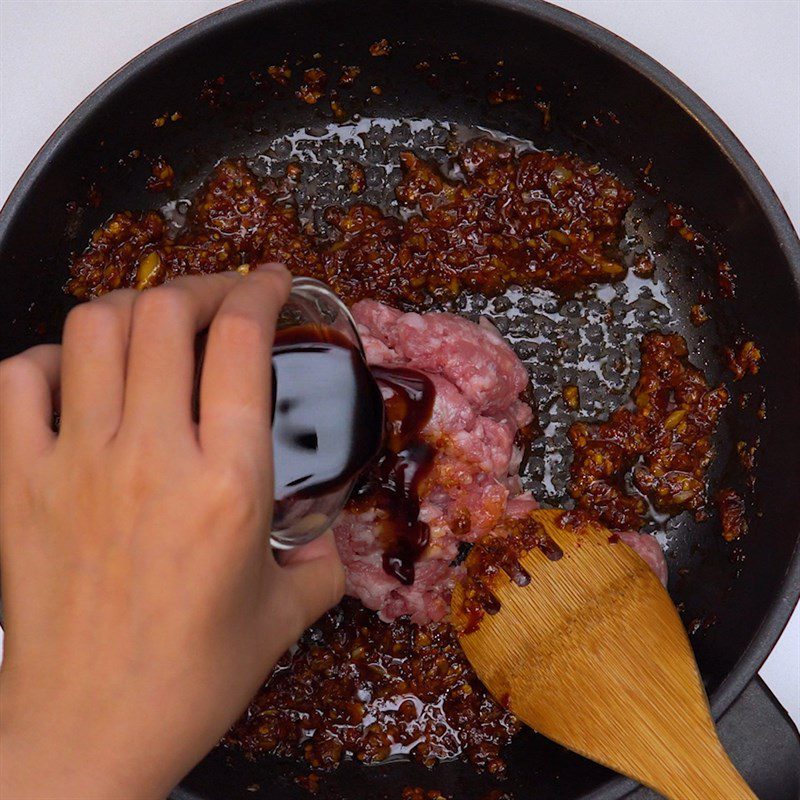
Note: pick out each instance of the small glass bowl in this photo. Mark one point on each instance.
(302, 519)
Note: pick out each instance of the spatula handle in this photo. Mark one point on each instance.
(711, 776)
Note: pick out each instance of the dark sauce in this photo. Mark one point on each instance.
(393, 481)
(330, 422)
(498, 554)
(327, 422)
(327, 411)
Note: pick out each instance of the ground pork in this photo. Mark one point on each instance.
(649, 550)
(474, 482)
(475, 418)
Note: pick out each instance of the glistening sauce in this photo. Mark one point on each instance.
(327, 420)
(392, 483)
(330, 421)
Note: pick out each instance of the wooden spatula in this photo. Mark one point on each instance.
(592, 654)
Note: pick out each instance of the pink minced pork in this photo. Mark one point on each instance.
(476, 415)
(474, 482)
(649, 550)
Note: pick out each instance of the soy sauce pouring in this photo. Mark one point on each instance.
(327, 412)
(392, 483)
(327, 426)
(331, 422)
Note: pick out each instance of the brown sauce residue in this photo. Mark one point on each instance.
(743, 360)
(575, 519)
(732, 512)
(665, 440)
(533, 219)
(500, 553)
(392, 483)
(313, 87)
(418, 793)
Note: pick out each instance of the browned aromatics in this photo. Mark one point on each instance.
(726, 280)
(644, 267)
(349, 74)
(698, 314)
(418, 793)
(112, 256)
(338, 109)
(369, 689)
(234, 206)
(213, 94)
(744, 359)
(747, 454)
(280, 73)
(235, 220)
(665, 440)
(508, 93)
(294, 171)
(357, 179)
(677, 222)
(546, 111)
(539, 218)
(496, 554)
(161, 177)
(732, 514)
(380, 48)
(313, 86)
(572, 396)
(536, 219)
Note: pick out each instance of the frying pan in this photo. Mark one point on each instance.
(608, 102)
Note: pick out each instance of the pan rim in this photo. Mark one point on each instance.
(672, 87)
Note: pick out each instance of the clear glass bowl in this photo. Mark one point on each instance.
(303, 519)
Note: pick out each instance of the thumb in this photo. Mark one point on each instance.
(316, 576)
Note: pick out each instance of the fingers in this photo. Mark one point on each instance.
(28, 384)
(236, 384)
(131, 355)
(95, 351)
(161, 357)
(322, 547)
(315, 576)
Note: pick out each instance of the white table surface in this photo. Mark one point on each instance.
(741, 56)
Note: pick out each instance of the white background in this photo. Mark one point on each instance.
(741, 56)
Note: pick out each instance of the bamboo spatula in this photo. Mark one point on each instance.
(592, 654)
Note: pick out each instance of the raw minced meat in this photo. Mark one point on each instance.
(474, 481)
(649, 550)
(477, 413)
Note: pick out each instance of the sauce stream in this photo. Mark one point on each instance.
(327, 412)
(393, 481)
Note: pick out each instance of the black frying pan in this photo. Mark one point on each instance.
(739, 596)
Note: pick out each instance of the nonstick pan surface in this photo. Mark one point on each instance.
(605, 101)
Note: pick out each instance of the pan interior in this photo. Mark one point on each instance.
(725, 591)
(590, 340)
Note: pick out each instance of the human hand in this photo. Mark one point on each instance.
(143, 605)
